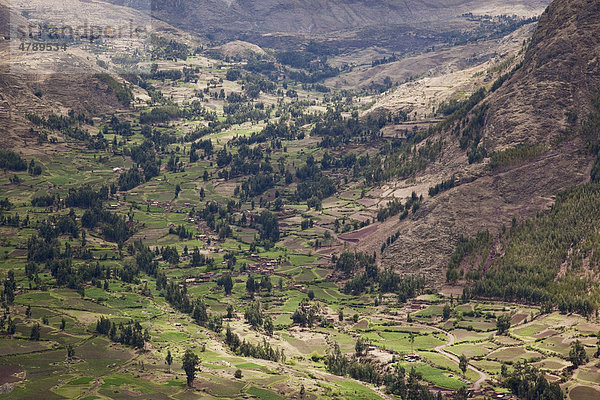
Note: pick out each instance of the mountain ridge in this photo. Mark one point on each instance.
(531, 107)
(320, 16)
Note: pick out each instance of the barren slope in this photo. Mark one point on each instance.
(561, 72)
(320, 16)
(62, 81)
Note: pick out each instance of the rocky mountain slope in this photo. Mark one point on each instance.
(49, 84)
(544, 103)
(320, 16)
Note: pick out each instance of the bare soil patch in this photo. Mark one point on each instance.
(11, 374)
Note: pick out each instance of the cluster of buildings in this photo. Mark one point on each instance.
(203, 277)
(264, 265)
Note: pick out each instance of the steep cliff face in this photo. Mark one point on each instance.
(544, 103)
(560, 74)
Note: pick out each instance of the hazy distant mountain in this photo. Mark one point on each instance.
(235, 17)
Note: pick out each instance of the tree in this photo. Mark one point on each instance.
(10, 287)
(233, 74)
(463, 362)
(360, 347)
(268, 325)
(190, 361)
(346, 262)
(250, 285)
(169, 359)
(336, 362)
(254, 315)
(193, 156)
(70, 351)
(395, 383)
(238, 373)
(341, 315)
(461, 394)
(199, 312)
(265, 283)
(11, 326)
(446, 312)
(35, 332)
(503, 323)
(577, 354)
(270, 227)
(526, 382)
(278, 206)
(63, 324)
(226, 282)
(302, 391)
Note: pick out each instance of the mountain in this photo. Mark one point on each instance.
(191, 218)
(321, 16)
(54, 86)
(535, 129)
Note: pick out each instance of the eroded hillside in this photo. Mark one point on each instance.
(314, 17)
(543, 103)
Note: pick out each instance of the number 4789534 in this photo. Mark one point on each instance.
(42, 46)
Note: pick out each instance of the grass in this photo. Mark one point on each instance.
(589, 376)
(472, 350)
(433, 310)
(513, 354)
(249, 365)
(301, 259)
(264, 394)
(305, 345)
(440, 360)
(551, 364)
(83, 380)
(435, 376)
(529, 330)
(293, 301)
(20, 346)
(219, 386)
(175, 383)
(556, 345)
(400, 341)
(355, 390)
(463, 335)
(491, 367)
(583, 393)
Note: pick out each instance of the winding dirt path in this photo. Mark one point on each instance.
(451, 340)
(441, 350)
